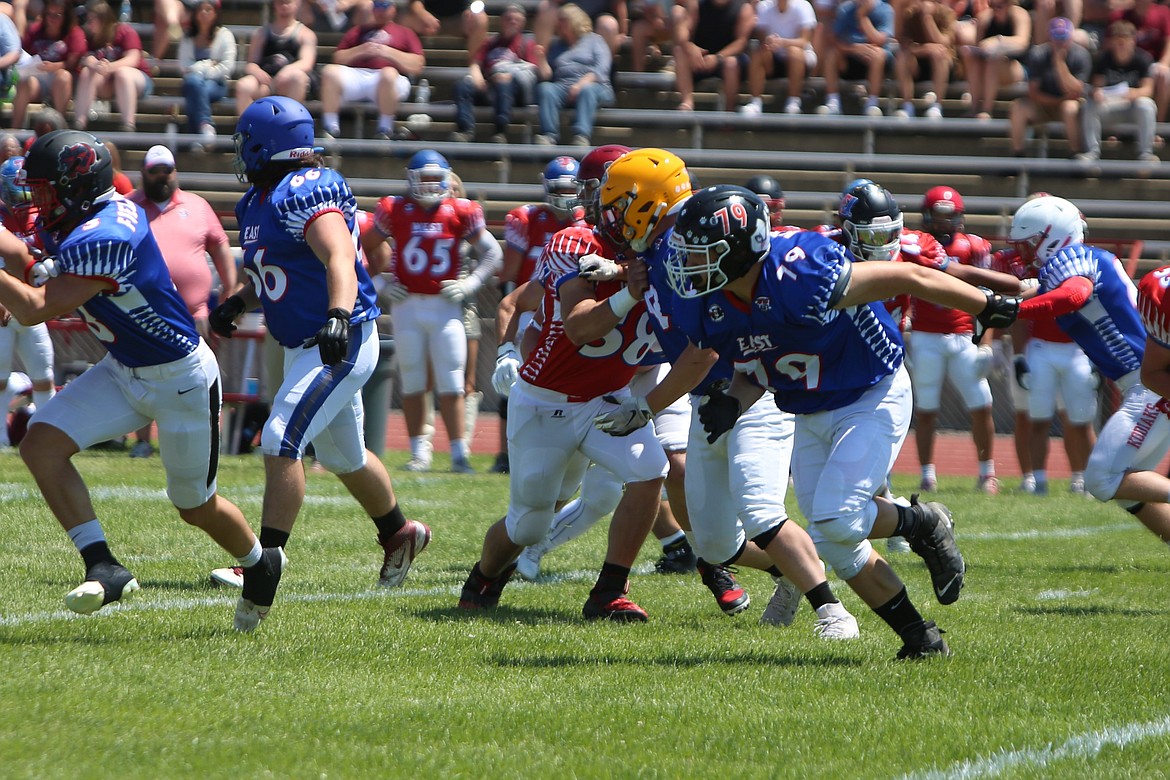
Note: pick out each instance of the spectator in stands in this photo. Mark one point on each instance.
(448, 17)
(17, 11)
(169, 18)
(502, 73)
(926, 42)
(114, 66)
(577, 74)
(9, 147)
(207, 56)
(1152, 34)
(44, 121)
(373, 62)
(966, 14)
(335, 15)
(56, 44)
(122, 183)
(187, 231)
(1122, 89)
(1044, 11)
(785, 32)
(12, 56)
(281, 58)
(1003, 34)
(1058, 78)
(862, 47)
(652, 24)
(610, 20)
(712, 40)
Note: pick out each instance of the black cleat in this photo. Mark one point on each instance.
(730, 597)
(480, 592)
(501, 464)
(679, 558)
(923, 640)
(935, 544)
(104, 583)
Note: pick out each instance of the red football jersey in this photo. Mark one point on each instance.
(22, 224)
(601, 366)
(1007, 261)
(426, 241)
(528, 228)
(928, 317)
(1154, 305)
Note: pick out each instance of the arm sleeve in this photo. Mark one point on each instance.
(1071, 295)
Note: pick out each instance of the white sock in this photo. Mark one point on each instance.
(672, 539)
(1078, 476)
(386, 122)
(1041, 476)
(756, 101)
(419, 447)
(871, 101)
(253, 556)
(928, 471)
(330, 120)
(460, 450)
(831, 98)
(987, 468)
(86, 534)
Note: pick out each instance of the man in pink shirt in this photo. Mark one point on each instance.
(187, 231)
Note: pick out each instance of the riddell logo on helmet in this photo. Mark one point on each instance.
(76, 160)
(297, 154)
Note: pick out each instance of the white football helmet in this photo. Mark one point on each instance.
(1045, 225)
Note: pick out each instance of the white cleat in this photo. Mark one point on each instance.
(528, 564)
(228, 577)
(835, 622)
(248, 615)
(105, 583)
(781, 609)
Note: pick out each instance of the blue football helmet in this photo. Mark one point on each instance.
(560, 185)
(428, 178)
(272, 129)
(14, 189)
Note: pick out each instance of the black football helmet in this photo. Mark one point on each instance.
(872, 220)
(720, 233)
(771, 192)
(69, 172)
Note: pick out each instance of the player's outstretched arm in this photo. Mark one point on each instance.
(60, 295)
(871, 282)
(524, 298)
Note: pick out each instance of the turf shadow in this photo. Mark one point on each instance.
(675, 661)
(505, 614)
(1092, 610)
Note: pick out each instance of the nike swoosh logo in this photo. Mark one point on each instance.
(947, 588)
(189, 389)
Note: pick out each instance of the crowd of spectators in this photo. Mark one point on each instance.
(1033, 61)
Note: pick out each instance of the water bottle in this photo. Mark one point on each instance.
(422, 93)
(124, 14)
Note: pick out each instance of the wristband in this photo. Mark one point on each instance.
(339, 314)
(621, 302)
(504, 349)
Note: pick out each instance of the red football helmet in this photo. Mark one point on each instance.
(589, 176)
(942, 213)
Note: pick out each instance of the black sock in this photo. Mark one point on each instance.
(909, 521)
(613, 578)
(390, 523)
(272, 537)
(774, 570)
(821, 595)
(676, 545)
(899, 613)
(98, 552)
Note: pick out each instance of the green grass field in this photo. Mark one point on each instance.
(1059, 670)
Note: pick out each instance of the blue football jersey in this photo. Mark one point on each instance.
(287, 275)
(1108, 327)
(790, 339)
(140, 319)
(661, 302)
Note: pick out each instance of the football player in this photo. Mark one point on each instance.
(772, 194)
(298, 227)
(1092, 298)
(527, 229)
(734, 490)
(426, 228)
(797, 316)
(109, 267)
(32, 344)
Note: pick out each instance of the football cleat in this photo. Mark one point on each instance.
(418, 465)
(228, 577)
(923, 641)
(679, 558)
(782, 607)
(400, 551)
(835, 622)
(730, 597)
(461, 466)
(104, 583)
(928, 485)
(528, 564)
(501, 464)
(480, 592)
(259, 589)
(936, 546)
(615, 607)
(988, 485)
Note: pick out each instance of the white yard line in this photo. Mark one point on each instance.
(1080, 747)
(1047, 533)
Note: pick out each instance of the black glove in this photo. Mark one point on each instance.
(223, 317)
(1000, 312)
(718, 411)
(333, 338)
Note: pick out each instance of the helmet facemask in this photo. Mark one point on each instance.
(876, 240)
(694, 270)
(429, 185)
(562, 196)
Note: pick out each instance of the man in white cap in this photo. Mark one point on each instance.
(187, 231)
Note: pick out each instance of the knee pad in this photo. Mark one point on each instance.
(848, 528)
(846, 558)
(600, 496)
(716, 547)
(528, 527)
(1102, 485)
(730, 561)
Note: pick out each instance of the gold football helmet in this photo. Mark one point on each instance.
(640, 188)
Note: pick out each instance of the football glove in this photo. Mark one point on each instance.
(455, 290)
(984, 357)
(718, 411)
(42, 271)
(1000, 312)
(631, 414)
(222, 318)
(595, 268)
(332, 341)
(1023, 373)
(507, 369)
